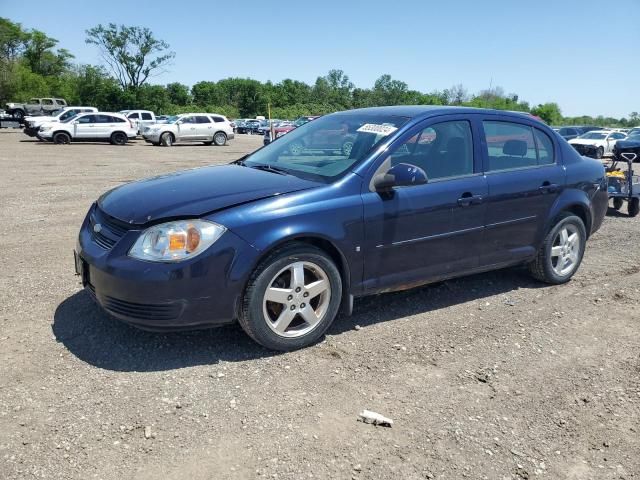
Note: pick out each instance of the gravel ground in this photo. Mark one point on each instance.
(491, 376)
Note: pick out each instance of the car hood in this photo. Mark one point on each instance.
(41, 119)
(586, 141)
(196, 192)
(628, 144)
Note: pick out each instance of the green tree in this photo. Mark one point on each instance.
(132, 53)
(178, 94)
(549, 112)
(41, 58)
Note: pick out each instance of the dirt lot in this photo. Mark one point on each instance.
(492, 376)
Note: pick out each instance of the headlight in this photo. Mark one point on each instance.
(175, 241)
(44, 129)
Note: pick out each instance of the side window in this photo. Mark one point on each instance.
(618, 136)
(218, 119)
(117, 120)
(146, 116)
(47, 101)
(509, 145)
(545, 147)
(202, 119)
(134, 116)
(188, 120)
(87, 119)
(102, 118)
(442, 150)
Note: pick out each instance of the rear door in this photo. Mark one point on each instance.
(187, 129)
(525, 176)
(204, 128)
(425, 232)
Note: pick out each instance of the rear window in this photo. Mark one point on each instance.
(202, 119)
(509, 146)
(47, 101)
(134, 116)
(217, 119)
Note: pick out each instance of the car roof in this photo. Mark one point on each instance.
(425, 111)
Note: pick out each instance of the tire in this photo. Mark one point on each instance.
(633, 206)
(220, 139)
(119, 138)
(61, 138)
(304, 318)
(18, 115)
(599, 153)
(543, 267)
(617, 203)
(166, 140)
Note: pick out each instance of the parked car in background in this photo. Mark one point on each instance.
(631, 144)
(93, 127)
(162, 118)
(281, 242)
(251, 126)
(32, 124)
(208, 128)
(634, 131)
(591, 128)
(35, 106)
(602, 140)
(569, 133)
(140, 118)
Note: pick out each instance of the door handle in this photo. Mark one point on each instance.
(548, 187)
(468, 198)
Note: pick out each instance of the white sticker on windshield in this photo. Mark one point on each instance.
(384, 129)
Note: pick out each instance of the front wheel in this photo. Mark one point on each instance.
(561, 252)
(292, 298)
(61, 138)
(18, 115)
(166, 139)
(600, 153)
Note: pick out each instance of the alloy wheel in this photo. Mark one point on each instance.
(565, 252)
(297, 299)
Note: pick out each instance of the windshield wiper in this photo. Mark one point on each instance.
(269, 168)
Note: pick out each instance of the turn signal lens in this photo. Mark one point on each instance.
(175, 241)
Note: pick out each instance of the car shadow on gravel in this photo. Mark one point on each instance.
(96, 338)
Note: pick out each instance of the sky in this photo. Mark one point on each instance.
(582, 54)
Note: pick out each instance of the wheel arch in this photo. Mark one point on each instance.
(575, 202)
(317, 241)
(55, 132)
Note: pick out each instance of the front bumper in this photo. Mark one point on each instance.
(199, 292)
(31, 131)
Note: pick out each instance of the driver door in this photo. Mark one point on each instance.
(425, 232)
(84, 127)
(187, 129)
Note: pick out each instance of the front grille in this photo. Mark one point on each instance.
(110, 231)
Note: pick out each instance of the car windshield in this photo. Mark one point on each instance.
(594, 136)
(55, 113)
(72, 117)
(324, 149)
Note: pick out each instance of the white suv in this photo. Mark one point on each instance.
(140, 118)
(32, 124)
(100, 126)
(209, 128)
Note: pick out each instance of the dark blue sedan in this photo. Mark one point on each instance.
(285, 237)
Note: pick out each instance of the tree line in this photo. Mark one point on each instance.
(31, 65)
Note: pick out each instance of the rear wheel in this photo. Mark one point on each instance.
(633, 206)
(292, 298)
(18, 115)
(61, 138)
(220, 139)
(118, 138)
(166, 139)
(617, 203)
(561, 252)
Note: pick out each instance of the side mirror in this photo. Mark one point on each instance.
(400, 175)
